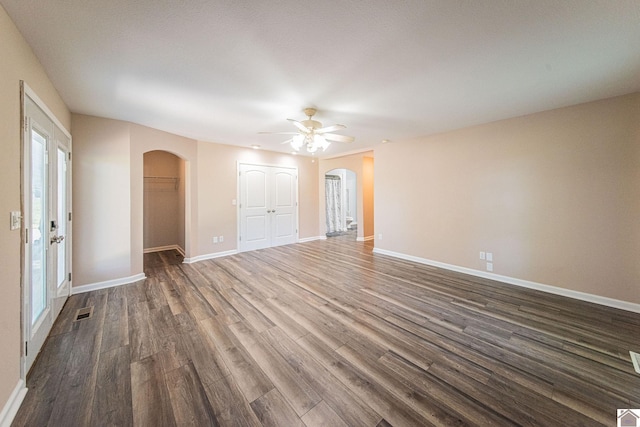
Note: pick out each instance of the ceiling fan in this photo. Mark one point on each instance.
(311, 134)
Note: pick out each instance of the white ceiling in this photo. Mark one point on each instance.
(222, 71)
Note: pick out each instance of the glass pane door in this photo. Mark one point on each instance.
(39, 232)
(61, 247)
(47, 248)
(60, 238)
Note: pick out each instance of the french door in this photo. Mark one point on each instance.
(268, 206)
(47, 223)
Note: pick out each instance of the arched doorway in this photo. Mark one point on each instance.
(163, 208)
(341, 203)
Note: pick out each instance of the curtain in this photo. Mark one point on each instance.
(333, 191)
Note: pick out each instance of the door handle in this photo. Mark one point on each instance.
(56, 239)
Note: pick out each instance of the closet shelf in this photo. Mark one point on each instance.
(161, 183)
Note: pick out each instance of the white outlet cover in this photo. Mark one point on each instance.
(489, 266)
(482, 255)
(15, 220)
(221, 239)
(635, 359)
(379, 236)
(489, 256)
(215, 240)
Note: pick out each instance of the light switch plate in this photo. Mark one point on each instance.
(15, 220)
(490, 256)
(482, 255)
(489, 266)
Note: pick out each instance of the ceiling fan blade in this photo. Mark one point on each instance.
(300, 126)
(330, 129)
(278, 133)
(338, 138)
(288, 141)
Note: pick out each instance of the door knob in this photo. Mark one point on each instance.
(56, 239)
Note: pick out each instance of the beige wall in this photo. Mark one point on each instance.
(17, 62)
(218, 177)
(108, 233)
(101, 200)
(355, 163)
(555, 196)
(163, 200)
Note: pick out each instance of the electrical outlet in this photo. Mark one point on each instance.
(490, 256)
(379, 236)
(482, 255)
(221, 239)
(215, 239)
(489, 266)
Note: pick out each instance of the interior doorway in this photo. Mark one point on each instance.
(341, 203)
(164, 208)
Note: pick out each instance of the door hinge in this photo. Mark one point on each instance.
(69, 276)
(69, 216)
(26, 348)
(26, 235)
(240, 238)
(69, 155)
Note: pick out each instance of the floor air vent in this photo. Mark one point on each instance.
(635, 358)
(84, 313)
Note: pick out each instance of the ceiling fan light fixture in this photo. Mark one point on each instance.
(297, 141)
(312, 135)
(320, 142)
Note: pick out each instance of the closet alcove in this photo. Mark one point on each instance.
(164, 203)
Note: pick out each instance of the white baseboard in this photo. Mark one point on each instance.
(311, 239)
(209, 256)
(10, 408)
(583, 296)
(107, 284)
(165, 248)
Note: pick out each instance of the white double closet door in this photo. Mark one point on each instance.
(268, 209)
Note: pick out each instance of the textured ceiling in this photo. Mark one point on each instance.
(222, 71)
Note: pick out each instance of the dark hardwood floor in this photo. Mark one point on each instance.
(326, 333)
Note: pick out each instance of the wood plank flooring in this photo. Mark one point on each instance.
(326, 333)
